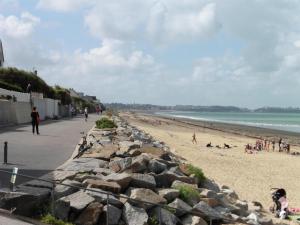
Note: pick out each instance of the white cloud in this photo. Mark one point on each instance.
(63, 5)
(18, 27)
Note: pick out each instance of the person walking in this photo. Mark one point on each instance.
(86, 113)
(35, 120)
(194, 141)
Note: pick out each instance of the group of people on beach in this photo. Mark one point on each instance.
(265, 144)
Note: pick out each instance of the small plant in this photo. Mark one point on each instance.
(187, 193)
(105, 123)
(170, 209)
(153, 220)
(49, 219)
(197, 172)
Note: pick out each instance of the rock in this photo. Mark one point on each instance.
(165, 179)
(181, 207)
(156, 166)
(128, 145)
(90, 214)
(102, 197)
(123, 179)
(33, 196)
(166, 217)
(104, 185)
(114, 214)
(143, 181)
(38, 184)
(134, 215)
(210, 185)
(157, 152)
(231, 195)
(83, 165)
(139, 164)
(78, 201)
(224, 210)
(177, 171)
(212, 202)
(169, 194)
(80, 177)
(104, 153)
(178, 183)
(207, 211)
(63, 190)
(253, 217)
(58, 175)
(255, 207)
(120, 164)
(242, 208)
(193, 220)
(146, 195)
(134, 152)
(158, 144)
(103, 171)
(62, 209)
(208, 194)
(265, 221)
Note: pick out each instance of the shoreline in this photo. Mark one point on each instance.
(236, 129)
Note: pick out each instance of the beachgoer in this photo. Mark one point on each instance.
(194, 140)
(86, 114)
(273, 145)
(98, 110)
(209, 145)
(226, 145)
(35, 120)
(279, 143)
(268, 145)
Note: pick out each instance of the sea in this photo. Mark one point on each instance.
(277, 121)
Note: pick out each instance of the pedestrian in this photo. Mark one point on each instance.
(86, 113)
(28, 89)
(279, 144)
(194, 141)
(273, 145)
(35, 120)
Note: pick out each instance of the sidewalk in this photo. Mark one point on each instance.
(37, 155)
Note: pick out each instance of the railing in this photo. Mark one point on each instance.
(108, 194)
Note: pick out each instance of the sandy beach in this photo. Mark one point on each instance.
(250, 175)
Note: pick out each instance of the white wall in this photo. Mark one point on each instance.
(14, 112)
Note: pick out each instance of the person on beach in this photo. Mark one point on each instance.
(273, 145)
(279, 144)
(194, 140)
(86, 113)
(35, 120)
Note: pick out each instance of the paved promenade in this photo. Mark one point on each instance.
(36, 155)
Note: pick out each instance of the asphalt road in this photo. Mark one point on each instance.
(37, 155)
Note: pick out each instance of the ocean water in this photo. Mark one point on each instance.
(278, 121)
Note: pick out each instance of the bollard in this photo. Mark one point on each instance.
(5, 152)
(13, 178)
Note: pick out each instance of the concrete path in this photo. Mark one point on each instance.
(37, 155)
(11, 221)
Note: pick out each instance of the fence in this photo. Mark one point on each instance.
(21, 97)
(14, 112)
(108, 194)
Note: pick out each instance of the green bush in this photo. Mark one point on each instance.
(11, 87)
(153, 220)
(187, 193)
(49, 219)
(197, 172)
(105, 123)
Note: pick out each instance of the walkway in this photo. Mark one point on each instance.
(36, 155)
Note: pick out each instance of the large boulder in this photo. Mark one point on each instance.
(128, 145)
(193, 220)
(166, 217)
(165, 179)
(103, 152)
(156, 166)
(64, 189)
(181, 207)
(102, 197)
(83, 165)
(134, 215)
(90, 214)
(139, 164)
(178, 183)
(207, 211)
(143, 181)
(169, 194)
(33, 197)
(123, 179)
(104, 185)
(114, 214)
(122, 164)
(142, 194)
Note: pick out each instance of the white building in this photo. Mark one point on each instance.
(1, 55)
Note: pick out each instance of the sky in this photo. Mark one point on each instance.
(167, 52)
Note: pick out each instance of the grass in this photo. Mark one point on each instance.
(49, 219)
(105, 123)
(187, 193)
(153, 220)
(197, 172)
